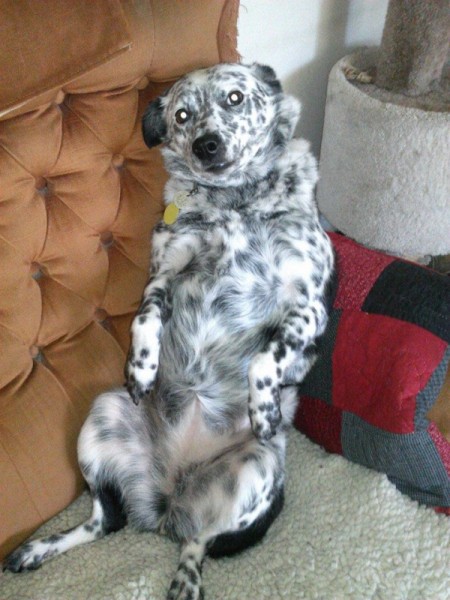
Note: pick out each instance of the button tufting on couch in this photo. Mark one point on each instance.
(79, 194)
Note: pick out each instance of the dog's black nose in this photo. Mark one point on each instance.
(207, 146)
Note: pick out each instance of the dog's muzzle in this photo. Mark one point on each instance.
(210, 150)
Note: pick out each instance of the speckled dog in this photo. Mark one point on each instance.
(238, 297)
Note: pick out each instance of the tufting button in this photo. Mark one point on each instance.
(117, 161)
(34, 351)
(41, 186)
(106, 239)
(36, 270)
(36, 354)
(60, 97)
(142, 83)
(100, 315)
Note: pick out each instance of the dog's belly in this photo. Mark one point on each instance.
(217, 325)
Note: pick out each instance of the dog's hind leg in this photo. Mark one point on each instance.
(224, 506)
(107, 516)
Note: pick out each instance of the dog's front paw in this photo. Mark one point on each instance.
(142, 362)
(264, 400)
(265, 419)
(140, 373)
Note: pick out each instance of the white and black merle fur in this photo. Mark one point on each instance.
(194, 445)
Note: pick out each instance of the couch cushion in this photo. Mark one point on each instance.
(377, 394)
(41, 49)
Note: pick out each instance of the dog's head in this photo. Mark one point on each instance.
(222, 126)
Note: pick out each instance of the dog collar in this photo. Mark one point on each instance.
(179, 201)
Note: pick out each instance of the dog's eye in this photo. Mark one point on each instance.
(235, 97)
(181, 116)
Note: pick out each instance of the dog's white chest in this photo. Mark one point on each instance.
(234, 234)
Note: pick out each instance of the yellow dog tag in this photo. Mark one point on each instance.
(173, 209)
(171, 213)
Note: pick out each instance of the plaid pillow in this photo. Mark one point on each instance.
(383, 363)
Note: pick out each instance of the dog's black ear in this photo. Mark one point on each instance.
(268, 76)
(154, 127)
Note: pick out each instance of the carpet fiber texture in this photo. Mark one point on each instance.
(346, 533)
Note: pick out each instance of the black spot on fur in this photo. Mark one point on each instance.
(280, 352)
(52, 539)
(229, 484)
(191, 574)
(114, 517)
(249, 456)
(160, 503)
(291, 181)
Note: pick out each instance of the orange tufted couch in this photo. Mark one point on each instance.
(79, 194)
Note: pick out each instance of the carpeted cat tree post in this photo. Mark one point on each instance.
(385, 152)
